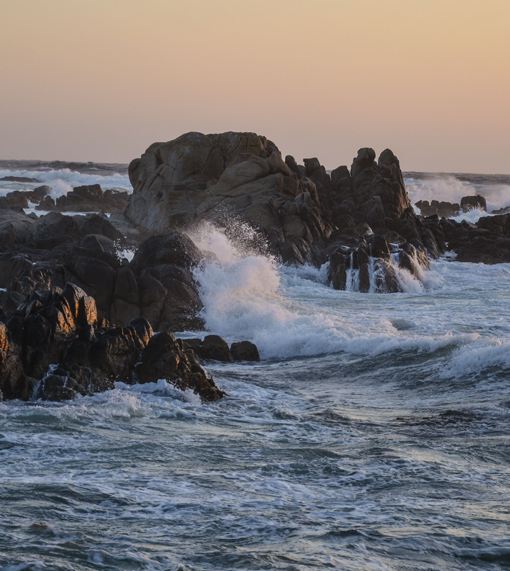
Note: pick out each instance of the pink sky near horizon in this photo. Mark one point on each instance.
(100, 80)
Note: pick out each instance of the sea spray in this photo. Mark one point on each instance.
(247, 295)
(449, 188)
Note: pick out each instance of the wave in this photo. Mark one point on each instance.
(62, 181)
(292, 312)
(449, 188)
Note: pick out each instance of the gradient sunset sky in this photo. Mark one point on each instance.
(100, 80)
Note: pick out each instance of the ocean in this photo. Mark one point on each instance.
(372, 435)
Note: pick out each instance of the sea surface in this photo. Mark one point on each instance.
(373, 434)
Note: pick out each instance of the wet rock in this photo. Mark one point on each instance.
(468, 203)
(175, 249)
(244, 351)
(166, 358)
(14, 384)
(18, 179)
(215, 348)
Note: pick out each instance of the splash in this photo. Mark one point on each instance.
(448, 188)
(62, 181)
(291, 312)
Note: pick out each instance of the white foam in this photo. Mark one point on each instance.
(62, 181)
(471, 215)
(473, 360)
(448, 188)
(290, 312)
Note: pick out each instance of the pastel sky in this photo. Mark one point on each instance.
(100, 80)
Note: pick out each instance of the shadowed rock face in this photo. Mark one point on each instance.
(158, 284)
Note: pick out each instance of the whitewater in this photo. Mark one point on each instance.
(372, 435)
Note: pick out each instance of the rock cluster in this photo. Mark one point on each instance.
(306, 214)
(54, 347)
(215, 348)
(89, 198)
(448, 209)
(75, 316)
(158, 284)
(487, 241)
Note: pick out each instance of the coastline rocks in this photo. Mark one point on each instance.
(215, 348)
(158, 284)
(442, 209)
(214, 177)
(89, 198)
(165, 357)
(305, 214)
(487, 241)
(18, 179)
(53, 347)
(244, 351)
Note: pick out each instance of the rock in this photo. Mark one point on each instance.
(18, 179)
(166, 358)
(215, 348)
(167, 292)
(175, 248)
(13, 382)
(115, 353)
(468, 203)
(244, 351)
(442, 209)
(213, 177)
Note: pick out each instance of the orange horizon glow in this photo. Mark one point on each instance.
(101, 80)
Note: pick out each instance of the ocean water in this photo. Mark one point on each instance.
(373, 435)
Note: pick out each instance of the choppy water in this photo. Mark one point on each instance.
(373, 435)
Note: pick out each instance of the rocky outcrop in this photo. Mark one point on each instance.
(53, 347)
(158, 284)
(215, 348)
(46, 232)
(89, 198)
(487, 241)
(305, 214)
(468, 203)
(212, 177)
(442, 209)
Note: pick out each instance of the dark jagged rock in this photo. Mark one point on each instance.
(442, 209)
(89, 198)
(160, 275)
(18, 179)
(215, 348)
(175, 248)
(487, 241)
(53, 348)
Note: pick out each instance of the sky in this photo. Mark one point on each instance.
(100, 80)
